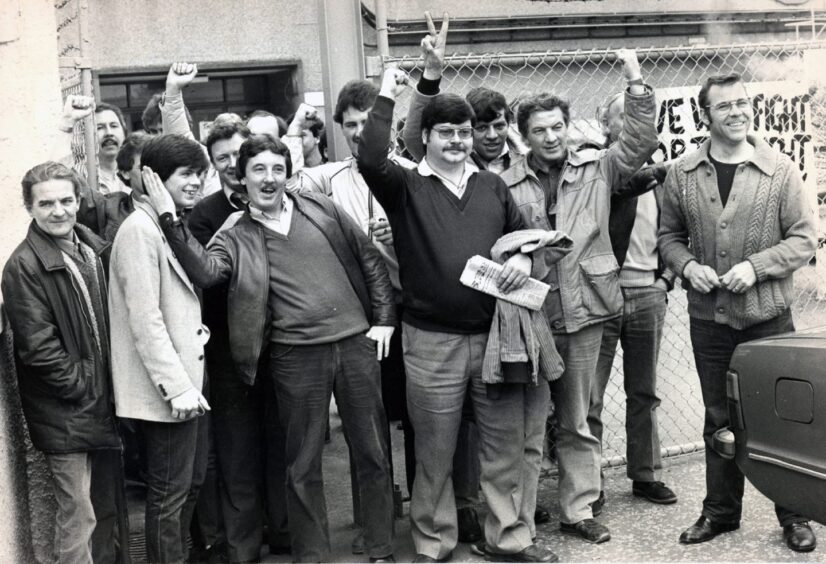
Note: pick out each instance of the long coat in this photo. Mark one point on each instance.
(64, 385)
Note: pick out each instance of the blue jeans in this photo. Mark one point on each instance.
(172, 485)
(578, 451)
(304, 378)
(640, 330)
(714, 345)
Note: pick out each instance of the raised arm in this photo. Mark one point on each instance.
(204, 268)
(638, 138)
(386, 179)
(433, 52)
(173, 110)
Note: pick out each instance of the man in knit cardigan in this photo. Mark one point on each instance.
(736, 223)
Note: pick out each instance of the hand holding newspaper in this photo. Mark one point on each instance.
(481, 274)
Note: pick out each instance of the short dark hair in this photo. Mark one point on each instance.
(716, 80)
(446, 108)
(540, 103)
(49, 170)
(132, 147)
(360, 94)
(225, 130)
(258, 144)
(152, 112)
(103, 106)
(164, 154)
(487, 104)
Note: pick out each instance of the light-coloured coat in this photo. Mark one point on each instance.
(157, 335)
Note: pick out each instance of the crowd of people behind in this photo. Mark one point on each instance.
(203, 303)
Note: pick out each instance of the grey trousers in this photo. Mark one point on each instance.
(440, 369)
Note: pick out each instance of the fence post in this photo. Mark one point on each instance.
(89, 132)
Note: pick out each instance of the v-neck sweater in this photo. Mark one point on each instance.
(435, 233)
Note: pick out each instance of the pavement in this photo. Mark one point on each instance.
(641, 531)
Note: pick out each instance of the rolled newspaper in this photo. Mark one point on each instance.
(481, 274)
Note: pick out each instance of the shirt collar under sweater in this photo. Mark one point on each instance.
(281, 223)
(457, 189)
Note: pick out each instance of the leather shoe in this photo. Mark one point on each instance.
(655, 492)
(799, 537)
(468, 524)
(705, 529)
(588, 529)
(532, 553)
(541, 516)
(596, 507)
(426, 558)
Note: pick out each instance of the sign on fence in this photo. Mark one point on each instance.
(782, 116)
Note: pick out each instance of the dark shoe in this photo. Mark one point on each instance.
(705, 529)
(383, 559)
(655, 492)
(468, 524)
(596, 507)
(588, 529)
(357, 546)
(532, 553)
(280, 548)
(541, 515)
(426, 558)
(799, 537)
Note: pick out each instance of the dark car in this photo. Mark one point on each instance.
(777, 407)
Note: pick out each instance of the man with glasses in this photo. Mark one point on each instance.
(736, 223)
(443, 213)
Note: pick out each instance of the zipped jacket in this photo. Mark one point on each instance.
(239, 255)
(65, 387)
(588, 276)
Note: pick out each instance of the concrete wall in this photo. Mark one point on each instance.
(30, 97)
(149, 34)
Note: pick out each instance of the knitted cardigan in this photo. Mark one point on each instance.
(768, 220)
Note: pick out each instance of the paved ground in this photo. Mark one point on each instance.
(641, 531)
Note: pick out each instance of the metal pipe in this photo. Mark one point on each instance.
(382, 40)
(90, 142)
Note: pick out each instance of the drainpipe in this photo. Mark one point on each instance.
(381, 29)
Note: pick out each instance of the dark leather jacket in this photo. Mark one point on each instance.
(239, 255)
(65, 386)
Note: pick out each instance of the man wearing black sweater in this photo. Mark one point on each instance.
(442, 213)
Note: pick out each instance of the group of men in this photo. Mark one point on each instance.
(212, 298)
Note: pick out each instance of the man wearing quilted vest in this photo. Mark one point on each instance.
(736, 223)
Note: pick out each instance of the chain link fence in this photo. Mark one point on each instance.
(790, 112)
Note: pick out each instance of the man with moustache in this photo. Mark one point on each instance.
(736, 224)
(325, 316)
(158, 348)
(558, 188)
(442, 213)
(493, 150)
(54, 286)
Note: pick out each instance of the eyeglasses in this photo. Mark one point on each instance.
(447, 133)
(497, 127)
(725, 107)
